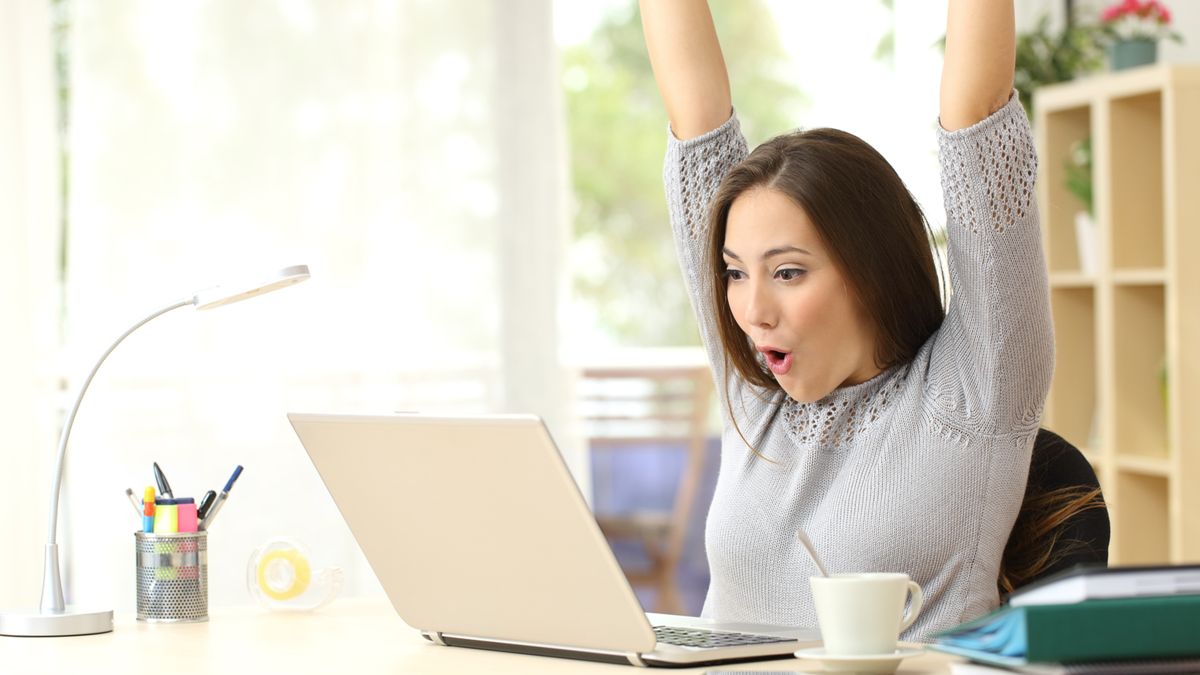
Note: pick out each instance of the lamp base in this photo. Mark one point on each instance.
(69, 622)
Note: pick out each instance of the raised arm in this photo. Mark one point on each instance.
(688, 65)
(992, 360)
(977, 76)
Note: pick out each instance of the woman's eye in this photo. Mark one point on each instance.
(789, 274)
(734, 275)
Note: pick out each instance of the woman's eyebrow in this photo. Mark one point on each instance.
(779, 250)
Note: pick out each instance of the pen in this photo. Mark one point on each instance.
(206, 503)
(137, 508)
(163, 486)
(148, 510)
(212, 512)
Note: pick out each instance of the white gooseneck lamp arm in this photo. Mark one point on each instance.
(52, 595)
(53, 618)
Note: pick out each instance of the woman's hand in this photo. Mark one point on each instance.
(977, 76)
(688, 65)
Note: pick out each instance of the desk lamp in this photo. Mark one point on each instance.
(53, 618)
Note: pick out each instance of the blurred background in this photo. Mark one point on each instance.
(476, 189)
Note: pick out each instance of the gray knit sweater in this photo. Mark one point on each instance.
(919, 470)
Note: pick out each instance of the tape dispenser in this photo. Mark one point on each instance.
(280, 577)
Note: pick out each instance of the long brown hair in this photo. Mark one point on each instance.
(874, 229)
(1041, 540)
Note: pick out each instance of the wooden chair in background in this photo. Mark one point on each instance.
(660, 403)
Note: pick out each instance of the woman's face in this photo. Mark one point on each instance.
(791, 300)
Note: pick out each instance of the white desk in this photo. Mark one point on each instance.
(348, 636)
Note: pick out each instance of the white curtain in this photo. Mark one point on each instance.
(408, 151)
(28, 300)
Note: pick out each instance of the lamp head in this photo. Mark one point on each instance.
(218, 296)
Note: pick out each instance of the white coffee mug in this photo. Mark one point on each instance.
(861, 614)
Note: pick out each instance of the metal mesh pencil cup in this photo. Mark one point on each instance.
(172, 577)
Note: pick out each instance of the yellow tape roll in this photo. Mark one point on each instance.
(295, 563)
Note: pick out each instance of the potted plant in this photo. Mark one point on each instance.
(1047, 57)
(1133, 29)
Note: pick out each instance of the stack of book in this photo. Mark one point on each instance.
(1086, 620)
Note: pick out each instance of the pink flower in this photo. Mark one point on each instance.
(1162, 14)
(1138, 18)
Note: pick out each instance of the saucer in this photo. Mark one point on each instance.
(858, 663)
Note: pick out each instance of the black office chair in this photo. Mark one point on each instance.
(1063, 519)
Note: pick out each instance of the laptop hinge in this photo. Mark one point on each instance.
(635, 659)
(433, 636)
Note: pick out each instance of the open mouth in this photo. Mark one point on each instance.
(779, 361)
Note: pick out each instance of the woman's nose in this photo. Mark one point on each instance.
(760, 310)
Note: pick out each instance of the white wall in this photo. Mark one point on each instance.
(1187, 22)
(28, 307)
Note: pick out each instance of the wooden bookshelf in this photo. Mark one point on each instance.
(1126, 387)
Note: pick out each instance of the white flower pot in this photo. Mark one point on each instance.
(1086, 242)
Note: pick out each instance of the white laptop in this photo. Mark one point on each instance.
(481, 538)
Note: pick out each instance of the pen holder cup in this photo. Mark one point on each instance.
(172, 577)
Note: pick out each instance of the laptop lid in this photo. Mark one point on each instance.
(474, 526)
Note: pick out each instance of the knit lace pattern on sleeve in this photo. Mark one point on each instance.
(1003, 192)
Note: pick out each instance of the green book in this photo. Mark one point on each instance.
(1089, 631)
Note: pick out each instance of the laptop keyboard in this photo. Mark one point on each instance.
(698, 637)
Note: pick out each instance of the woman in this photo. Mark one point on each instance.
(896, 437)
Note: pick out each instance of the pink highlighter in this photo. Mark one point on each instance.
(187, 516)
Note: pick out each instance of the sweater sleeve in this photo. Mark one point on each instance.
(692, 171)
(992, 359)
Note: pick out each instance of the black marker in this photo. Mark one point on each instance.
(164, 488)
(206, 503)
